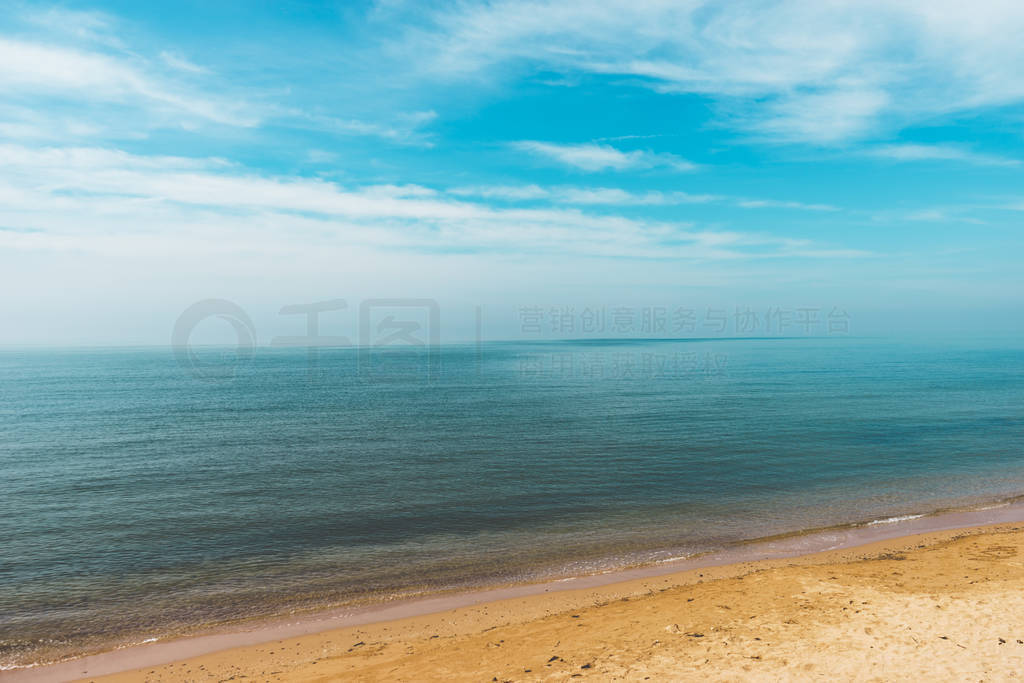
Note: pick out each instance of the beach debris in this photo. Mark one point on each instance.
(585, 666)
(554, 658)
(695, 635)
(1002, 642)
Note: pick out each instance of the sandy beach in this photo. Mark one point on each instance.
(945, 605)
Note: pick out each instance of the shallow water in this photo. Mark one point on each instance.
(137, 500)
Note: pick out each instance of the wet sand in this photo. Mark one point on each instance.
(944, 604)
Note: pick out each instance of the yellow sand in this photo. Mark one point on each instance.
(941, 606)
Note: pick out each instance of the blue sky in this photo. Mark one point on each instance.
(861, 155)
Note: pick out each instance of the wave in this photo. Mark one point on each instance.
(893, 520)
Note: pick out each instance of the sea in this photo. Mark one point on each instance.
(146, 494)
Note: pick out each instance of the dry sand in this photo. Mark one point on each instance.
(937, 606)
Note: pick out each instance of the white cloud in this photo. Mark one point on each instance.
(512, 192)
(823, 117)
(782, 204)
(405, 129)
(61, 60)
(176, 61)
(87, 26)
(790, 69)
(594, 157)
(613, 196)
(26, 124)
(914, 152)
(928, 215)
(101, 199)
(29, 68)
(49, 163)
(941, 216)
(396, 191)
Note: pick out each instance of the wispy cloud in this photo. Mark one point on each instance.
(931, 214)
(30, 68)
(27, 124)
(595, 157)
(405, 129)
(915, 152)
(67, 60)
(617, 197)
(782, 204)
(614, 196)
(507, 192)
(177, 61)
(942, 216)
(611, 196)
(59, 198)
(80, 25)
(786, 69)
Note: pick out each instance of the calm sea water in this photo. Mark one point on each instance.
(137, 500)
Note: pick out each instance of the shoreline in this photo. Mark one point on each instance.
(807, 547)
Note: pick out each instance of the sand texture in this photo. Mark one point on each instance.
(940, 606)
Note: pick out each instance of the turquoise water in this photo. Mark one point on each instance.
(138, 501)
